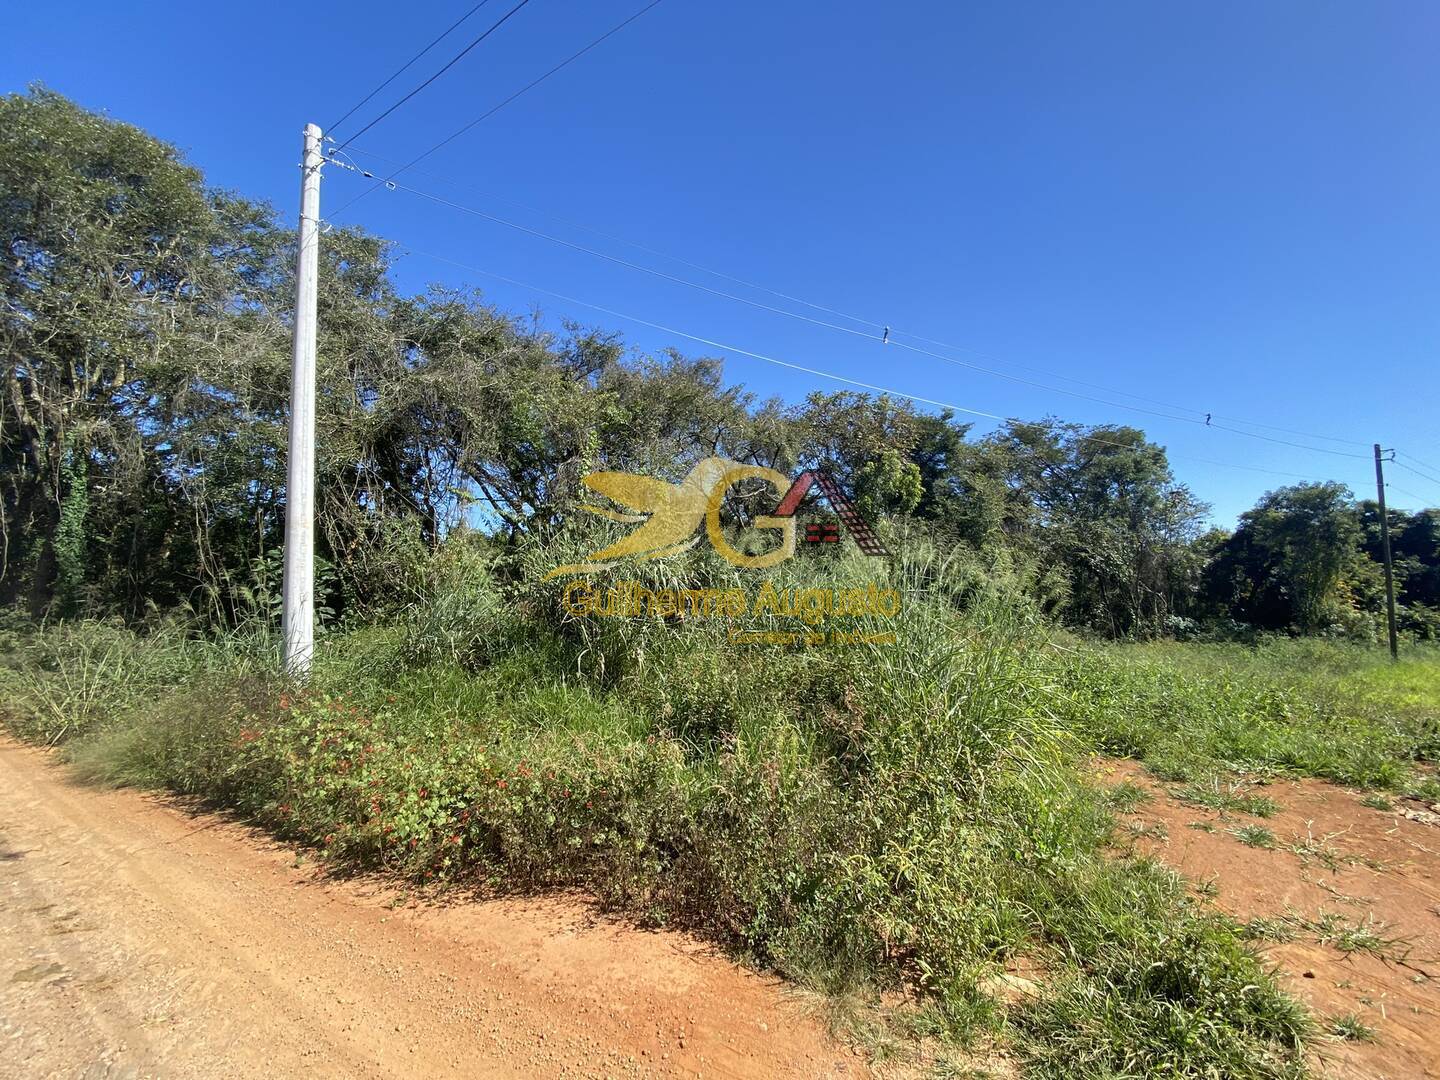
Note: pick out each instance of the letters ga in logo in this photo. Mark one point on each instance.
(669, 515)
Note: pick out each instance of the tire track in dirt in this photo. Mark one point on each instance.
(139, 939)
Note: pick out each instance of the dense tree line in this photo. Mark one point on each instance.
(142, 429)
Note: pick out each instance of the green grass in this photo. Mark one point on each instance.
(1226, 797)
(1254, 836)
(1425, 788)
(1126, 796)
(1278, 928)
(1330, 928)
(1155, 999)
(1321, 850)
(859, 819)
(76, 677)
(1300, 707)
(1369, 937)
(1350, 1027)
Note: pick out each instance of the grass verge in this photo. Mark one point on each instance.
(862, 819)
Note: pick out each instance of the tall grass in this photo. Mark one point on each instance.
(1312, 708)
(74, 677)
(862, 816)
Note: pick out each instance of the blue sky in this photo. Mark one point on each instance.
(1230, 207)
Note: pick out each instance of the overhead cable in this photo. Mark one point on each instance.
(1417, 472)
(453, 61)
(1207, 422)
(496, 108)
(890, 333)
(819, 372)
(406, 66)
(1421, 505)
(1412, 457)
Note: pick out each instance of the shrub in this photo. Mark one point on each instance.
(869, 816)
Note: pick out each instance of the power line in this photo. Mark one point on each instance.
(441, 200)
(495, 109)
(819, 372)
(406, 66)
(893, 332)
(1417, 472)
(453, 61)
(1135, 408)
(1396, 487)
(1412, 457)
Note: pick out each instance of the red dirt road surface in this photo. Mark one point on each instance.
(137, 939)
(1352, 893)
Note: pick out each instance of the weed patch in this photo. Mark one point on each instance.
(1351, 1028)
(1302, 708)
(863, 820)
(1330, 928)
(1254, 836)
(1126, 796)
(1227, 798)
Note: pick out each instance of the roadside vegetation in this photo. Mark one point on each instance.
(1305, 707)
(866, 817)
(860, 818)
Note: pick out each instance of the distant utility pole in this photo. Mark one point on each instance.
(1385, 547)
(298, 616)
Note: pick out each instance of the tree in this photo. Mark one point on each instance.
(1415, 547)
(120, 268)
(845, 431)
(1101, 506)
(1285, 563)
(963, 484)
(144, 401)
(887, 484)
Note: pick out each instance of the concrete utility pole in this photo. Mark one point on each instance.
(298, 616)
(1385, 547)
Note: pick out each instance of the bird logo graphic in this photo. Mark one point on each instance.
(670, 515)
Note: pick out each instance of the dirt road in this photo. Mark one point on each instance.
(140, 940)
(1351, 895)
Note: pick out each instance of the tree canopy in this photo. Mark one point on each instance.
(142, 428)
